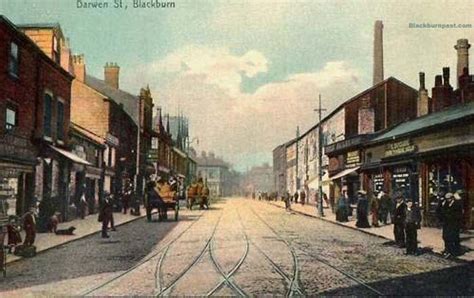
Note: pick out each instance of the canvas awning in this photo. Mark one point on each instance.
(344, 173)
(71, 156)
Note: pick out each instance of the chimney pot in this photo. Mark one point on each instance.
(79, 67)
(438, 80)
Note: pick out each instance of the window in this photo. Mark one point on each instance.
(11, 118)
(56, 50)
(13, 61)
(48, 101)
(60, 120)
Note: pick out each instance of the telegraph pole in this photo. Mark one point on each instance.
(297, 140)
(320, 160)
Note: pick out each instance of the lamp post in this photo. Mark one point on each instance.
(320, 160)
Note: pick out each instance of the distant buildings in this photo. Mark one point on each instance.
(216, 172)
(258, 179)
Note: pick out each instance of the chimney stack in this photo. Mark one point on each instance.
(462, 47)
(423, 99)
(446, 76)
(79, 67)
(378, 52)
(111, 74)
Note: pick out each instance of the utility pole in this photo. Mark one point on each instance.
(297, 180)
(320, 160)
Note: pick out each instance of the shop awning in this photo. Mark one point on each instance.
(344, 173)
(71, 156)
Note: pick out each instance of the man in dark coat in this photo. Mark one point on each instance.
(287, 201)
(302, 197)
(106, 214)
(412, 224)
(385, 207)
(450, 215)
(399, 217)
(362, 210)
(296, 196)
(29, 225)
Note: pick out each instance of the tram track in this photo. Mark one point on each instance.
(293, 281)
(142, 262)
(325, 262)
(165, 291)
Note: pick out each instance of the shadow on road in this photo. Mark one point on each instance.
(453, 281)
(90, 255)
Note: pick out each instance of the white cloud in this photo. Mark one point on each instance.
(206, 84)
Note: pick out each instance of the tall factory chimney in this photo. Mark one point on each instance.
(378, 52)
(462, 47)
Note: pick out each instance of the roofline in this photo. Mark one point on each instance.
(14, 28)
(372, 143)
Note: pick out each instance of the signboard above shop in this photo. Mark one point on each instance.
(152, 155)
(398, 148)
(353, 158)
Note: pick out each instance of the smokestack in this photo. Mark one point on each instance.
(111, 74)
(462, 47)
(438, 80)
(79, 66)
(378, 52)
(423, 100)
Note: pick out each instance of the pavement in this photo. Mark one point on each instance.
(429, 238)
(84, 227)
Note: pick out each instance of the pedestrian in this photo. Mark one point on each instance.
(399, 217)
(29, 225)
(412, 224)
(287, 201)
(302, 197)
(342, 208)
(384, 207)
(450, 215)
(362, 209)
(14, 236)
(296, 196)
(374, 209)
(106, 214)
(126, 197)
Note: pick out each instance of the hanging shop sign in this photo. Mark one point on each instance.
(398, 148)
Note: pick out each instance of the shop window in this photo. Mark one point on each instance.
(443, 178)
(47, 116)
(11, 118)
(13, 61)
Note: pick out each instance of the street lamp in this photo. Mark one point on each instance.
(320, 160)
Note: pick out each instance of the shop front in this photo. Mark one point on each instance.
(17, 162)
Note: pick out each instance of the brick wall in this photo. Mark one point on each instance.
(89, 109)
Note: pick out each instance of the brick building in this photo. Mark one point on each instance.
(99, 106)
(36, 109)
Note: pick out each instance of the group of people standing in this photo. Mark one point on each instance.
(405, 215)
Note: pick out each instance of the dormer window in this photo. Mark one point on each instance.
(56, 50)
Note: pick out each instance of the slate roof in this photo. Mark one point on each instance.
(129, 101)
(440, 118)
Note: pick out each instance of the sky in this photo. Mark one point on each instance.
(247, 73)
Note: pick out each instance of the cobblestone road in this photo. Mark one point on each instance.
(239, 247)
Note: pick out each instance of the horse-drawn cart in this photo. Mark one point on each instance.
(198, 193)
(162, 198)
